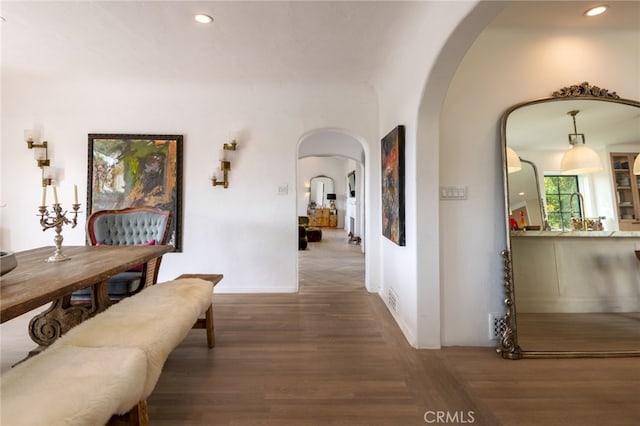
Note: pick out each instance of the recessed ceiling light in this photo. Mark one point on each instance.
(596, 10)
(204, 19)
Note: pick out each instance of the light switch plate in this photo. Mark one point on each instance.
(453, 192)
(283, 189)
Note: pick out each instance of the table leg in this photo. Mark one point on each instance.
(46, 327)
(100, 297)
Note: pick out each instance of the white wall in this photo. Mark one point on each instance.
(245, 232)
(505, 67)
(354, 208)
(412, 272)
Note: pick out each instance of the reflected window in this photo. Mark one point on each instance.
(558, 190)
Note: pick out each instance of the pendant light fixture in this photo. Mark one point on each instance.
(513, 161)
(580, 159)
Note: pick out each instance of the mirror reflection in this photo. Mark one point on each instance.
(525, 200)
(541, 131)
(320, 187)
(574, 227)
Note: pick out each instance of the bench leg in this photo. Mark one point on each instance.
(211, 337)
(137, 416)
(207, 323)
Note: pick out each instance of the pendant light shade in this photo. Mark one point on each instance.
(636, 165)
(580, 159)
(513, 161)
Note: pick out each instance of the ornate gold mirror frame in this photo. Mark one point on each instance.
(508, 346)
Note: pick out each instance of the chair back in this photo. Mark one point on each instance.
(132, 226)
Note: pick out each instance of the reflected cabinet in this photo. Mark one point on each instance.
(627, 187)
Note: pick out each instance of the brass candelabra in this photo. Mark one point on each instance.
(57, 219)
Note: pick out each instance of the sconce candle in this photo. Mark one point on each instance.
(225, 164)
(43, 200)
(29, 135)
(40, 153)
(75, 194)
(55, 196)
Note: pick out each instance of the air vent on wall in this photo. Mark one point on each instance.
(392, 299)
(496, 326)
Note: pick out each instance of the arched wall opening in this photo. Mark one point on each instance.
(353, 149)
(430, 300)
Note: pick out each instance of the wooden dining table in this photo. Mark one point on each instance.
(35, 282)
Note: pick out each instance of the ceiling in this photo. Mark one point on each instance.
(569, 15)
(309, 41)
(270, 41)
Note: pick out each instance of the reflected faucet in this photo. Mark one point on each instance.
(583, 222)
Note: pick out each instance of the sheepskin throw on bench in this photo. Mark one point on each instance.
(106, 365)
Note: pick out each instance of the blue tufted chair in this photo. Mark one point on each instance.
(132, 226)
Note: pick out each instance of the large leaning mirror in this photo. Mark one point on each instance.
(572, 263)
(320, 187)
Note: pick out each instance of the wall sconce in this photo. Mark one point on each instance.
(225, 164)
(41, 155)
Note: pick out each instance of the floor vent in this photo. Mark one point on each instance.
(392, 299)
(496, 326)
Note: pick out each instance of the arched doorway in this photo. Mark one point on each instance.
(339, 155)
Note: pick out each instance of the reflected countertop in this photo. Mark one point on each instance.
(577, 234)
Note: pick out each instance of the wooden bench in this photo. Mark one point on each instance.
(108, 364)
(206, 322)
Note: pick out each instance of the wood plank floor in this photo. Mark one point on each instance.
(332, 355)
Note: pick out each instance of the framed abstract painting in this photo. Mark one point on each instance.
(393, 222)
(137, 171)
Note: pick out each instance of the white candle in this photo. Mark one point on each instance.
(29, 135)
(75, 194)
(43, 200)
(55, 196)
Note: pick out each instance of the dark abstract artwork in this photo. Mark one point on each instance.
(393, 186)
(136, 171)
